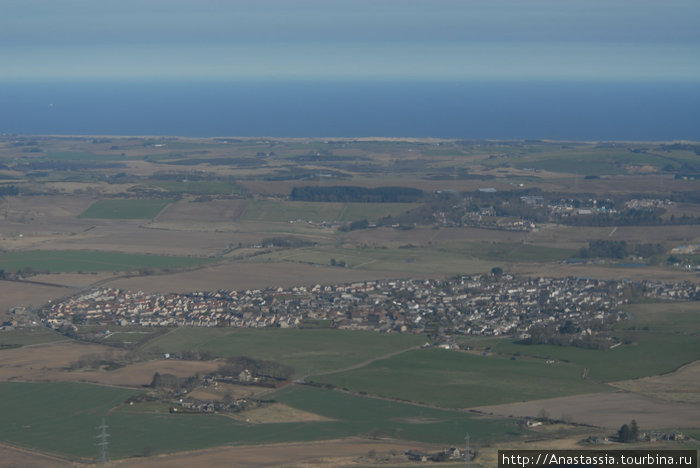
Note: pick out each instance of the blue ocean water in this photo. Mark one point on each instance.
(469, 110)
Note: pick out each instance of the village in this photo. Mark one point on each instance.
(491, 305)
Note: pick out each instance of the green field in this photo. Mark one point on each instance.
(397, 419)
(56, 417)
(667, 317)
(118, 335)
(29, 336)
(456, 379)
(62, 261)
(62, 418)
(650, 354)
(307, 351)
(662, 337)
(596, 161)
(284, 211)
(125, 208)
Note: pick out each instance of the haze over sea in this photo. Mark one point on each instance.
(565, 110)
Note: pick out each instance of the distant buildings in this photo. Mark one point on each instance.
(468, 305)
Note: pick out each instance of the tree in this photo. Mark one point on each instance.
(634, 430)
(623, 434)
(497, 271)
(628, 433)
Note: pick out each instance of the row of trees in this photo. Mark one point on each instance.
(619, 249)
(628, 432)
(8, 190)
(348, 193)
(257, 367)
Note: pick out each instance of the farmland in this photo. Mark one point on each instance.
(60, 418)
(607, 410)
(673, 342)
(62, 261)
(29, 336)
(167, 215)
(307, 351)
(283, 211)
(55, 416)
(452, 379)
(125, 209)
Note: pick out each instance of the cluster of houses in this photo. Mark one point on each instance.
(487, 216)
(477, 305)
(647, 203)
(451, 453)
(190, 405)
(574, 207)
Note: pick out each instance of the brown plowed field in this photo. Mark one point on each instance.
(247, 275)
(46, 361)
(50, 362)
(13, 457)
(331, 453)
(131, 236)
(215, 210)
(682, 385)
(610, 410)
(141, 373)
(560, 270)
(277, 413)
(548, 234)
(14, 293)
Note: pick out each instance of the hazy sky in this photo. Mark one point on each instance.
(350, 39)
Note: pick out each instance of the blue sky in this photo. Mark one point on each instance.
(606, 40)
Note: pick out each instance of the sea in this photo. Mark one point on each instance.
(517, 110)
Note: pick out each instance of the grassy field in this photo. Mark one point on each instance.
(650, 354)
(29, 336)
(125, 209)
(667, 317)
(456, 379)
(61, 261)
(63, 417)
(122, 334)
(397, 419)
(663, 336)
(283, 211)
(56, 417)
(307, 351)
(597, 161)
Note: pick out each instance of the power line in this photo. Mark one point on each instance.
(466, 452)
(104, 455)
